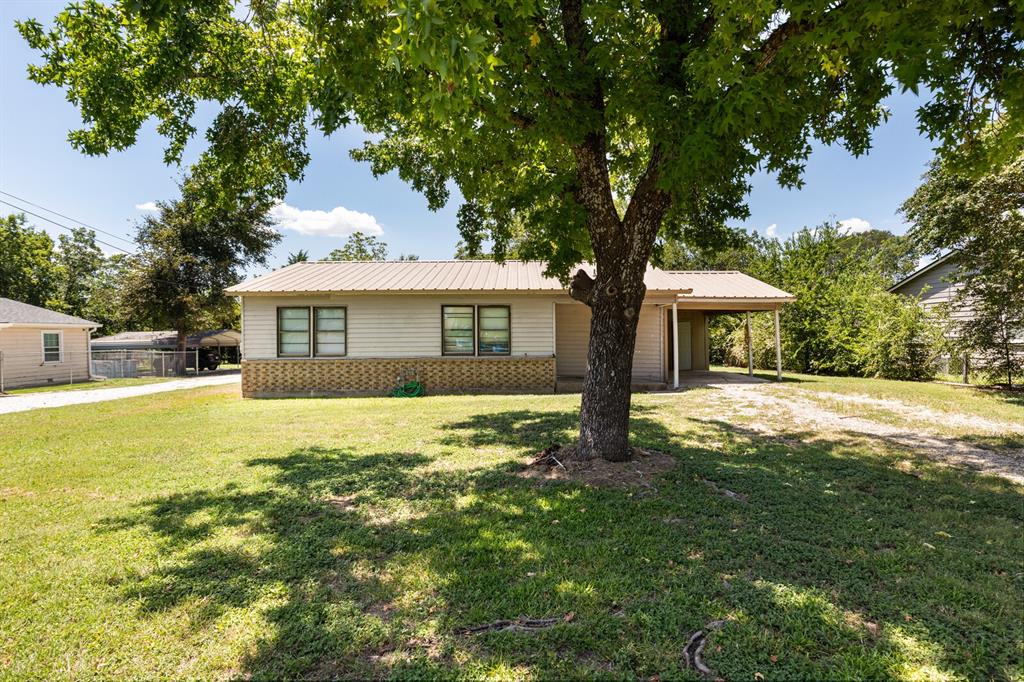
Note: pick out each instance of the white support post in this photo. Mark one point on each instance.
(675, 345)
(778, 348)
(750, 349)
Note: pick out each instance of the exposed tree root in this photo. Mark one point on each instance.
(521, 624)
(739, 497)
(693, 652)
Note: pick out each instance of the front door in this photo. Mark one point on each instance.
(685, 359)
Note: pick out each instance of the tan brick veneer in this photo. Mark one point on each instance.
(377, 376)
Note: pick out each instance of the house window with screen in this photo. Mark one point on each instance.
(494, 333)
(293, 332)
(457, 332)
(330, 332)
(51, 347)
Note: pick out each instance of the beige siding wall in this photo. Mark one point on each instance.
(572, 332)
(396, 326)
(698, 339)
(23, 357)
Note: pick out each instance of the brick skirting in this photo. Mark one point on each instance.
(377, 376)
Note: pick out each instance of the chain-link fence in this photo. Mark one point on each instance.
(66, 367)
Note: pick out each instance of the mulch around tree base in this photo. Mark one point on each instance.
(638, 472)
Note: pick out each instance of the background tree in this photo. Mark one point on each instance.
(360, 247)
(300, 256)
(542, 111)
(78, 261)
(107, 304)
(844, 320)
(980, 220)
(27, 271)
(187, 255)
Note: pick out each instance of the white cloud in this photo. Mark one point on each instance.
(771, 230)
(148, 206)
(854, 225)
(338, 222)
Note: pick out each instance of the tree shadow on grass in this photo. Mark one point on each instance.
(366, 565)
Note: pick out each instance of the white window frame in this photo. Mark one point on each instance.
(60, 346)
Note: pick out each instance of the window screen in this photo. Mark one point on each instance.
(51, 347)
(495, 334)
(457, 330)
(330, 331)
(293, 332)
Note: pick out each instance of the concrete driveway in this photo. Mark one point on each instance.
(36, 401)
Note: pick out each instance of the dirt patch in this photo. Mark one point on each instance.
(801, 413)
(920, 413)
(638, 472)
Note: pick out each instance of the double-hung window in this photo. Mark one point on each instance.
(495, 330)
(293, 332)
(476, 330)
(457, 330)
(311, 332)
(330, 332)
(52, 351)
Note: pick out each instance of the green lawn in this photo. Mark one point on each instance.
(194, 534)
(85, 385)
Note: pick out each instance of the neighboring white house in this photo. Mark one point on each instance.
(40, 346)
(335, 327)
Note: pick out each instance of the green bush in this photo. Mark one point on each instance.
(899, 339)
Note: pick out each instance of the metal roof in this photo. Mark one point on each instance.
(323, 277)
(18, 313)
(167, 339)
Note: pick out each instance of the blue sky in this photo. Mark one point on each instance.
(38, 164)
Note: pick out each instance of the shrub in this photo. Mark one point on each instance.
(899, 340)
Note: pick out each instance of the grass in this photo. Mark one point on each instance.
(353, 538)
(86, 385)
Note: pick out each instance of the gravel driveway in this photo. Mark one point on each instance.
(36, 401)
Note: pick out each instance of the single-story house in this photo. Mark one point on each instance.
(40, 346)
(225, 341)
(327, 328)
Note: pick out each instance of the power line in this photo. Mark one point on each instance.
(69, 229)
(66, 217)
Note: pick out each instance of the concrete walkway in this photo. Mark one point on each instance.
(36, 401)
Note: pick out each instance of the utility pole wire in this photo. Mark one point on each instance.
(77, 222)
(69, 229)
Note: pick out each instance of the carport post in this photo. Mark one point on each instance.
(778, 349)
(750, 349)
(675, 345)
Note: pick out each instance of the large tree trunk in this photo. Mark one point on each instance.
(604, 413)
(180, 361)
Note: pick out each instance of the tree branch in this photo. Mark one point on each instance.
(581, 287)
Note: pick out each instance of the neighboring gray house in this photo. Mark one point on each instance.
(40, 346)
(932, 286)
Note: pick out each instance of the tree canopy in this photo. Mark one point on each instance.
(520, 103)
(599, 125)
(979, 221)
(188, 254)
(360, 246)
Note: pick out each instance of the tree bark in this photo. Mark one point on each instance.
(180, 361)
(607, 394)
